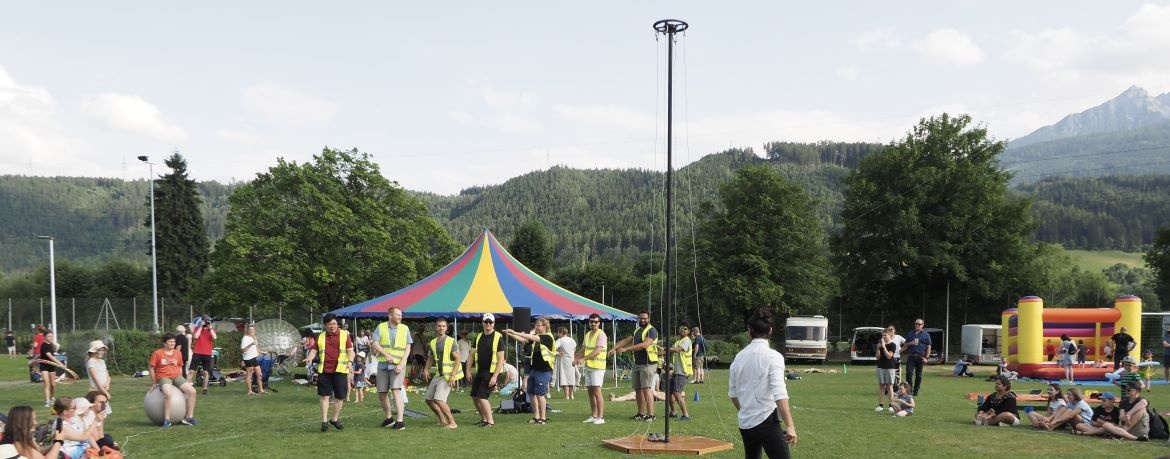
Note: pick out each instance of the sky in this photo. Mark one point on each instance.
(450, 95)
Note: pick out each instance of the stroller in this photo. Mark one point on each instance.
(215, 376)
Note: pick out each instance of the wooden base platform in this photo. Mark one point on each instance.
(679, 444)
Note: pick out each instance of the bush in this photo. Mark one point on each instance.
(740, 339)
(722, 348)
(130, 350)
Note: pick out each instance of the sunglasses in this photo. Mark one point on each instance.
(594, 321)
(489, 321)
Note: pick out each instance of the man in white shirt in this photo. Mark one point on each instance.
(757, 389)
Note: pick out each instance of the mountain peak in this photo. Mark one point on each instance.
(1134, 108)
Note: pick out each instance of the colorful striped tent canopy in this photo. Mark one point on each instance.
(485, 278)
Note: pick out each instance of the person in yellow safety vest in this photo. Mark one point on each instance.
(333, 376)
(592, 355)
(541, 370)
(645, 363)
(444, 354)
(487, 357)
(391, 340)
(681, 361)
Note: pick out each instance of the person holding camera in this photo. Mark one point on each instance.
(204, 333)
(20, 432)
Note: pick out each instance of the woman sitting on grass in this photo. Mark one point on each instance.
(1076, 412)
(999, 408)
(1056, 403)
(21, 433)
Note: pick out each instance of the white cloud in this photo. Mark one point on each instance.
(949, 46)
(32, 140)
(500, 109)
(608, 116)
(848, 72)
(286, 107)
(876, 38)
(131, 114)
(238, 136)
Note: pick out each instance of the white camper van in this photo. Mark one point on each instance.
(806, 337)
(981, 342)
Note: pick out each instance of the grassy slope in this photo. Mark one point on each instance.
(833, 415)
(1096, 260)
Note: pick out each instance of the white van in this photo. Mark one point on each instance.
(981, 342)
(806, 337)
(864, 347)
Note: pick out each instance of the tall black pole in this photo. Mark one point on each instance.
(669, 27)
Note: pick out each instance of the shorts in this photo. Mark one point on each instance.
(678, 383)
(594, 377)
(480, 387)
(46, 367)
(1166, 361)
(335, 384)
(538, 382)
(643, 376)
(11, 349)
(249, 363)
(177, 381)
(388, 379)
(200, 361)
(438, 389)
(1142, 427)
(885, 375)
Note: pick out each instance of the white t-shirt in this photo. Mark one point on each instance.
(250, 352)
(96, 368)
(898, 340)
(567, 345)
(757, 381)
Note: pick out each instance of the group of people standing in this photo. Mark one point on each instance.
(890, 349)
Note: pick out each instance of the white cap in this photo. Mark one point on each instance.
(489, 316)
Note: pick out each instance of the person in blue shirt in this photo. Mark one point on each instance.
(916, 350)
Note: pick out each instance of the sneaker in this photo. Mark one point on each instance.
(879, 408)
(684, 418)
(398, 426)
(591, 420)
(337, 424)
(978, 422)
(1004, 424)
(891, 409)
(1143, 438)
(48, 403)
(187, 421)
(599, 421)
(390, 422)
(648, 418)
(166, 423)
(324, 426)
(636, 417)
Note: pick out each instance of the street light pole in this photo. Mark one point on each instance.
(153, 255)
(52, 286)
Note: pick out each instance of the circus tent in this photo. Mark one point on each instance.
(485, 278)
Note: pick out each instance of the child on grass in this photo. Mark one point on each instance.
(359, 378)
(1148, 371)
(904, 403)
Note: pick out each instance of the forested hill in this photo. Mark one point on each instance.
(590, 212)
(91, 219)
(1116, 212)
(586, 212)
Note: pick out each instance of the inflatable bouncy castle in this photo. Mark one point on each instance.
(1028, 327)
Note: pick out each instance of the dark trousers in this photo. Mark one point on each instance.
(766, 437)
(1117, 356)
(914, 364)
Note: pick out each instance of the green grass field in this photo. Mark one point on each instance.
(833, 412)
(1096, 260)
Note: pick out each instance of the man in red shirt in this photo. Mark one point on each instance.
(204, 334)
(333, 375)
(166, 370)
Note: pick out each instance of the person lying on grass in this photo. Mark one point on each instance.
(999, 408)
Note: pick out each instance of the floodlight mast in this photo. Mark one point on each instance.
(153, 252)
(669, 27)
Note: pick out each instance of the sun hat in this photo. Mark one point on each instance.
(95, 345)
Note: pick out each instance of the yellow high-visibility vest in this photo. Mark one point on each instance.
(598, 361)
(686, 358)
(640, 335)
(495, 355)
(342, 356)
(398, 349)
(443, 362)
(545, 353)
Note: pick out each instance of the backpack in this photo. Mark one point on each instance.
(1158, 427)
(1072, 348)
